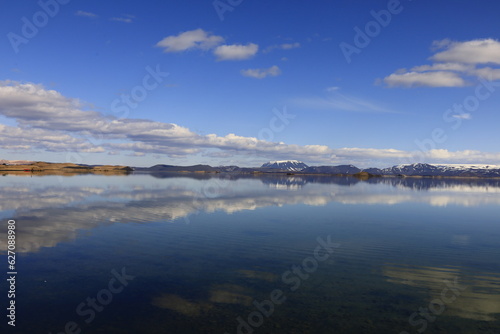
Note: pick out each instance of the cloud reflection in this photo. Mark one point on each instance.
(480, 300)
(49, 214)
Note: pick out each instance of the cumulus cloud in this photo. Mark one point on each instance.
(454, 66)
(192, 39)
(59, 123)
(487, 73)
(261, 73)
(429, 79)
(48, 121)
(478, 51)
(236, 51)
(32, 140)
(443, 67)
(464, 156)
(203, 40)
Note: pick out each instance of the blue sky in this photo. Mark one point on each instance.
(372, 83)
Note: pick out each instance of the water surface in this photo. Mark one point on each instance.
(242, 254)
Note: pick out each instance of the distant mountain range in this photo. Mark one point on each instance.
(292, 167)
(416, 169)
(172, 168)
(298, 167)
(341, 169)
(420, 169)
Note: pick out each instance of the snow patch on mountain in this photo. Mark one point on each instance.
(285, 161)
(469, 166)
(288, 165)
(424, 169)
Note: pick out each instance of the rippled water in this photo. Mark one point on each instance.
(246, 254)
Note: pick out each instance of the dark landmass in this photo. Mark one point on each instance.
(428, 170)
(413, 170)
(341, 169)
(284, 168)
(178, 169)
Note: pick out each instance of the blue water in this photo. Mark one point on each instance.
(252, 254)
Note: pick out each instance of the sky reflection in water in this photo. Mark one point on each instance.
(205, 248)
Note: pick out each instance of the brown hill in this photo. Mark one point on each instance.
(46, 168)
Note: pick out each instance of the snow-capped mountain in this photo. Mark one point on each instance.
(416, 169)
(288, 165)
(422, 169)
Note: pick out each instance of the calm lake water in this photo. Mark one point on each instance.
(243, 254)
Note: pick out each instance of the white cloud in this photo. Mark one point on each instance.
(453, 67)
(193, 39)
(465, 156)
(289, 46)
(61, 124)
(200, 39)
(33, 140)
(86, 14)
(430, 79)
(260, 73)
(50, 122)
(478, 51)
(236, 51)
(371, 153)
(442, 67)
(487, 73)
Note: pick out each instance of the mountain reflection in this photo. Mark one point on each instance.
(50, 212)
